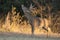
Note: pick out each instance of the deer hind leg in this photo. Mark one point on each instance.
(46, 25)
(49, 30)
(43, 25)
(45, 29)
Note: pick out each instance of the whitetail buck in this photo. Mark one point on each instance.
(42, 23)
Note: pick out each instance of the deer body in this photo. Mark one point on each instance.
(30, 18)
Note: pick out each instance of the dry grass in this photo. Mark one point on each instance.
(14, 24)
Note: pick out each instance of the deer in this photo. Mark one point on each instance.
(33, 19)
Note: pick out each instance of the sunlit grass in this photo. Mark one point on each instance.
(23, 27)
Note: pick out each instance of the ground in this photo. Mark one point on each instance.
(16, 36)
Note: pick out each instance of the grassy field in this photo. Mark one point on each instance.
(17, 27)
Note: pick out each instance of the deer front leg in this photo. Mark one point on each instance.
(32, 26)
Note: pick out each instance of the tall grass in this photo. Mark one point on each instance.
(14, 23)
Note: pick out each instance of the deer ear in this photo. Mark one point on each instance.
(31, 6)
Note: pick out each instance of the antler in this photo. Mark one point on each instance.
(36, 3)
